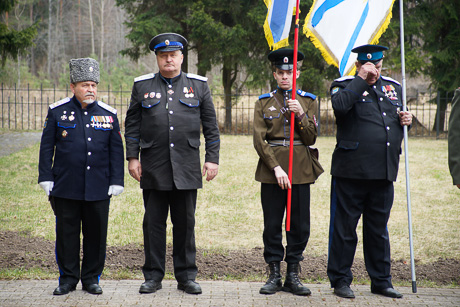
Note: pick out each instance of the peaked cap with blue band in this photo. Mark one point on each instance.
(369, 53)
(284, 58)
(168, 42)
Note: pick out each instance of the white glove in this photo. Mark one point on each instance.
(115, 190)
(47, 186)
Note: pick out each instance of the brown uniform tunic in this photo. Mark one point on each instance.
(271, 125)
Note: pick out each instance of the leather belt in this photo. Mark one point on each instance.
(283, 142)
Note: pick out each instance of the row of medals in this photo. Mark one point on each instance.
(72, 118)
(187, 92)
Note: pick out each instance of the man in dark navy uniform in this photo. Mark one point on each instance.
(369, 116)
(163, 124)
(81, 166)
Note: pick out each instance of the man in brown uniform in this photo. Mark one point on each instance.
(271, 141)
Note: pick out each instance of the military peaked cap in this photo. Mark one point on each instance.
(284, 58)
(168, 42)
(369, 53)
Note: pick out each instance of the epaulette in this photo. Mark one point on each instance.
(59, 103)
(144, 77)
(306, 94)
(344, 78)
(267, 95)
(198, 77)
(390, 79)
(107, 107)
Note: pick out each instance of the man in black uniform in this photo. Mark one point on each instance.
(81, 166)
(163, 124)
(369, 116)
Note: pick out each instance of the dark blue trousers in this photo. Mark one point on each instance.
(351, 198)
(182, 205)
(274, 201)
(91, 218)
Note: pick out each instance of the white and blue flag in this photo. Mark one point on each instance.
(278, 22)
(337, 26)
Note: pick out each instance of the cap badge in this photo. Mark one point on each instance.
(369, 56)
(285, 60)
(91, 68)
(167, 42)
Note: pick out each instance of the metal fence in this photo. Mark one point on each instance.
(25, 109)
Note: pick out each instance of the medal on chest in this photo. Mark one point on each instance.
(390, 92)
(102, 122)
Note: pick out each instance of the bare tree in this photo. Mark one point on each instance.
(93, 51)
(50, 26)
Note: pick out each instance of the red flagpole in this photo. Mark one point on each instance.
(291, 133)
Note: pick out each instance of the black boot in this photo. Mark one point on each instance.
(292, 282)
(273, 283)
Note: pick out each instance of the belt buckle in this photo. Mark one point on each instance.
(283, 110)
(284, 143)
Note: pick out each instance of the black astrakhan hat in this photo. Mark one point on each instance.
(84, 69)
(168, 42)
(284, 58)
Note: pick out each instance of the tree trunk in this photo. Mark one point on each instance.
(101, 56)
(440, 118)
(33, 69)
(228, 78)
(92, 26)
(79, 31)
(50, 25)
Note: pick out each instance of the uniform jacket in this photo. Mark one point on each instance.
(81, 150)
(271, 124)
(454, 138)
(163, 123)
(369, 132)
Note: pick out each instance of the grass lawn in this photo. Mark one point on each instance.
(229, 214)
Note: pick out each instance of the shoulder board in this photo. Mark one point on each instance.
(59, 103)
(198, 77)
(107, 107)
(306, 94)
(267, 95)
(390, 79)
(144, 77)
(344, 78)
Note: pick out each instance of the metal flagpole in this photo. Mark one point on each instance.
(406, 155)
(291, 133)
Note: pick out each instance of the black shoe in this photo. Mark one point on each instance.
(190, 287)
(389, 292)
(150, 286)
(344, 291)
(92, 288)
(273, 283)
(292, 282)
(64, 289)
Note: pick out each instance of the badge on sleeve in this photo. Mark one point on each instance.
(335, 90)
